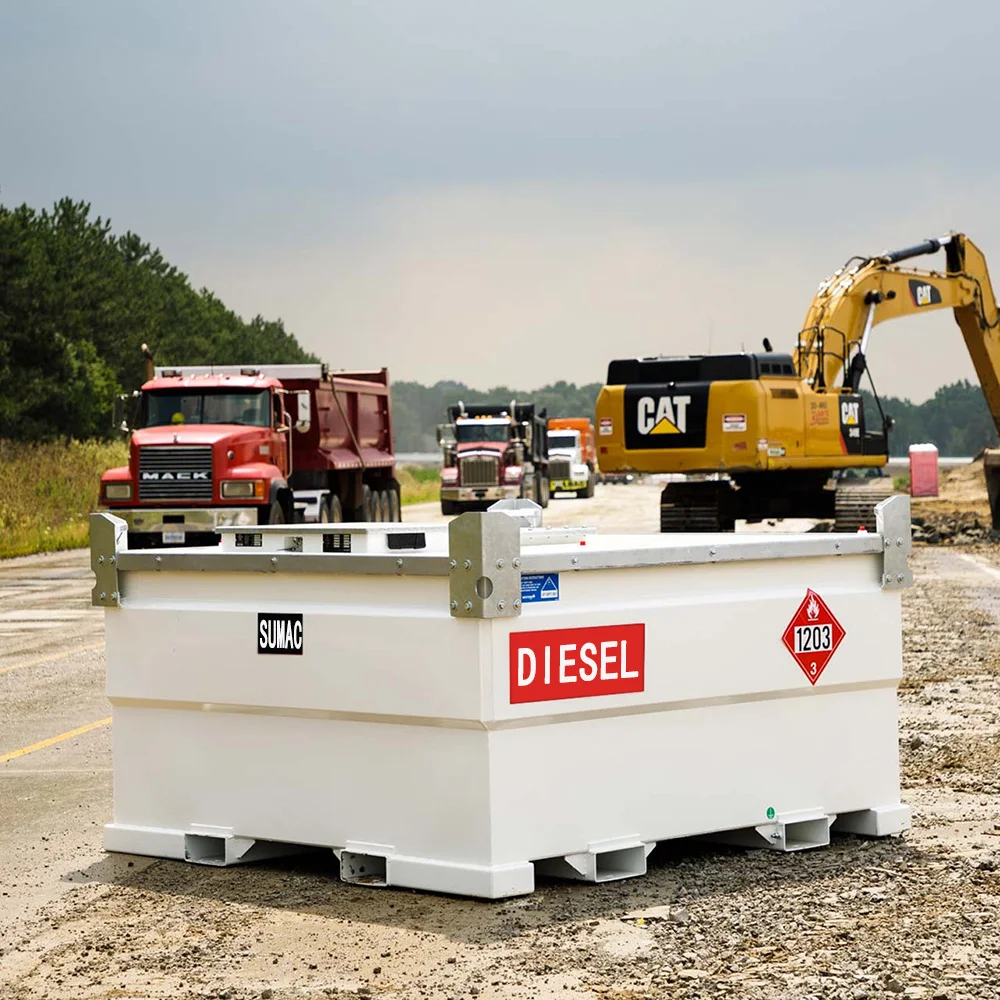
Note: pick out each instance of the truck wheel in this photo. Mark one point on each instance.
(449, 507)
(395, 513)
(382, 506)
(591, 483)
(275, 513)
(335, 511)
(542, 491)
(369, 504)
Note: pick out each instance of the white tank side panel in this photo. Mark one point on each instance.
(716, 631)
(690, 771)
(422, 790)
(371, 645)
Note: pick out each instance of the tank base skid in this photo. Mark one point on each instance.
(379, 866)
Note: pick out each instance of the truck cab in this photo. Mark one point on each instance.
(492, 453)
(568, 473)
(208, 450)
(572, 465)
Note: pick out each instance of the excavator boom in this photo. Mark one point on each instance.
(865, 292)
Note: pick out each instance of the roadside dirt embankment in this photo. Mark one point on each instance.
(960, 515)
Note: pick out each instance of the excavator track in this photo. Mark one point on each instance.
(697, 506)
(854, 502)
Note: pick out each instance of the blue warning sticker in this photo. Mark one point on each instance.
(537, 587)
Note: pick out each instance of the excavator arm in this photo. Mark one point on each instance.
(848, 304)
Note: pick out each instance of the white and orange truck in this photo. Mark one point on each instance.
(572, 456)
(231, 445)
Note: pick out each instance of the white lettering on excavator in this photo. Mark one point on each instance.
(922, 293)
(667, 415)
(850, 413)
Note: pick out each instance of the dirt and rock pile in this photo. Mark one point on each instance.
(960, 514)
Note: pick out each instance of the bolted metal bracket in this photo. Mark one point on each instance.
(485, 566)
(106, 534)
(892, 520)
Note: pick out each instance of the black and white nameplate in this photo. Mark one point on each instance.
(279, 633)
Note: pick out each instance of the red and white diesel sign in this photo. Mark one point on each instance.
(577, 662)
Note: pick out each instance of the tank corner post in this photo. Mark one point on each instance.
(108, 536)
(484, 552)
(892, 521)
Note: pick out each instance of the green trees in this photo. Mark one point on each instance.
(418, 409)
(76, 303)
(956, 419)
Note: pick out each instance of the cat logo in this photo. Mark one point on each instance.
(850, 415)
(924, 294)
(667, 415)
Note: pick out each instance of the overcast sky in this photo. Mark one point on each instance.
(517, 192)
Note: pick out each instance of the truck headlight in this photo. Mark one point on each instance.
(243, 489)
(117, 491)
(449, 474)
(512, 474)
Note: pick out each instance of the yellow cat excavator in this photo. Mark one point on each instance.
(770, 435)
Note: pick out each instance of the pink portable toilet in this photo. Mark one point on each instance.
(923, 470)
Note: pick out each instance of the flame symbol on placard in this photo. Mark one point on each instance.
(812, 609)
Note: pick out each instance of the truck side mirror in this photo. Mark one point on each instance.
(445, 434)
(303, 420)
(119, 418)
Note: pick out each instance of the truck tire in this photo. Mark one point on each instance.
(335, 513)
(449, 507)
(588, 490)
(382, 506)
(369, 504)
(542, 490)
(395, 508)
(275, 513)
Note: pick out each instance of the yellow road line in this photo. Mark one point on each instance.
(55, 739)
(49, 659)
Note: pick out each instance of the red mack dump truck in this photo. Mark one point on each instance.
(493, 452)
(258, 444)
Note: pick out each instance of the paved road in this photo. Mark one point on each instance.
(53, 799)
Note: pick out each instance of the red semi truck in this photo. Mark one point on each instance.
(259, 444)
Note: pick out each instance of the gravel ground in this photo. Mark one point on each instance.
(917, 916)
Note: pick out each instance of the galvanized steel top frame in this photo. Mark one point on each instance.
(487, 554)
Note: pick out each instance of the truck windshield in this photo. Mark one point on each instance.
(215, 407)
(562, 441)
(475, 430)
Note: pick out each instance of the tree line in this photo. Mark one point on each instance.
(956, 419)
(76, 304)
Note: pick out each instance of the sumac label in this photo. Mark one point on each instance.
(279, 634)
(577, 663)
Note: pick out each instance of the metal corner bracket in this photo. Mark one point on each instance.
(107, 535)
(892, 520)
(484, 566)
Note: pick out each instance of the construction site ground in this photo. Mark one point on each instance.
(916, 916)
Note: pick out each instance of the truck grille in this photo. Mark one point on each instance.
(559, 468)
(479, 471)
(175, 472)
